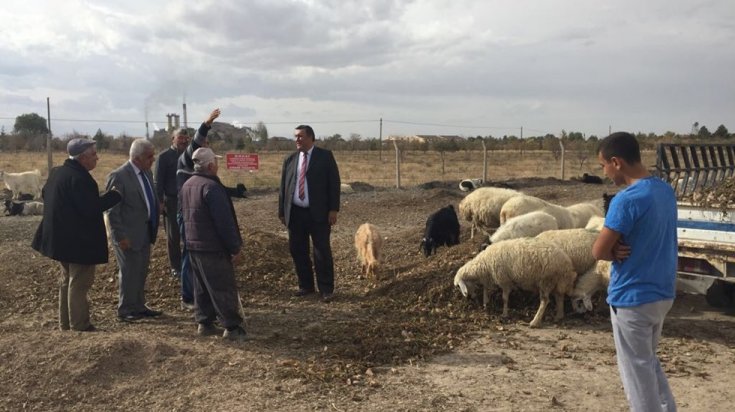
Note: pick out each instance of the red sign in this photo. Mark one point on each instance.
(242, 161)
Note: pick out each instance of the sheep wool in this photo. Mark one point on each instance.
(583, 212)
(522, 205)
(368, 244)
(576, 243)
(594, 280)
(528, 225)
(595, 223)
(482, 207)
(529, 264)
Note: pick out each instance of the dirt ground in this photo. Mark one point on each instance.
(410, 344)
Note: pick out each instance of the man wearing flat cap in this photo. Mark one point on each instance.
(214, 243)
(72, 230)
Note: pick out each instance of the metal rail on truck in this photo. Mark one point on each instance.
(706, 236)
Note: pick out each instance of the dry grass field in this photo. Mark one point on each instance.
(360, 166)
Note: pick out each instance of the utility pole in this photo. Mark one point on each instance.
(48, 136)
(186, 123)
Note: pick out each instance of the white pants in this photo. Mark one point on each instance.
(637, 331)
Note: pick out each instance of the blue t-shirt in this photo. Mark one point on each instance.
(645, 215)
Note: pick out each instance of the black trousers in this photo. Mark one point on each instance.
(215, 290)
(302, 228)
(173, 237)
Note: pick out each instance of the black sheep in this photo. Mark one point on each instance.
(587, 178)
(13, 208)
(442, 228)
(606, 199)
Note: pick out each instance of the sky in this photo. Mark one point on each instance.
(454, 67)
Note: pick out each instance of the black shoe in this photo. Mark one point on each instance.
(130, 317)
(150, 313)
(175, 274)
(237, 335)
(302, 292)
(327, 297)
(89, 328)
(208, 329)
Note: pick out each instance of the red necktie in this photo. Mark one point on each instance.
(302, 177)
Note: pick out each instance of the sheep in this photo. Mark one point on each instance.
(482, 207)
(595, 279)
(23, 182)
(368, 244)
(520, 205)
(582, 212)
(592, 179)
(442, 228)
(468, 185)
(528, 225)
(576, 243)
(595, 223)
(23, 208)
(529, 264)
(345, 188)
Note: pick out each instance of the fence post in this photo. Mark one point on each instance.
(484, 160)
(398, 164)
(561, 144)
(49, 138)
(441, 154)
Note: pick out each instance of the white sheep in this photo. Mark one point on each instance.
(528, 225)
(583, 212)
(595, 223)
(529, 264)
(468, 185)
(368, 244)
(345, 188)
(521, 205)
(32, 209)
(482, 207)
(576, 243)
(23, 182)
(595, 279)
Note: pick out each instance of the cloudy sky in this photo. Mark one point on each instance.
(467, 67)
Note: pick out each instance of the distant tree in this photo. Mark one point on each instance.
(30, 123)
(2, 130)
(704, 133)
(579, 136)
(695, 128)
(103, 140)
(721, 132)
(261, 132)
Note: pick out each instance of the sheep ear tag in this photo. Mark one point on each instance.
(462, 287)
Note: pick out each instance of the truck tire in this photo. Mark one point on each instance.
(721, 294)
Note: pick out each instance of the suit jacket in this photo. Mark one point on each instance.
(322, 177)
(129, 218)
(72, 229)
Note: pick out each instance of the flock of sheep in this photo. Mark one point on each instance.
(533, 245)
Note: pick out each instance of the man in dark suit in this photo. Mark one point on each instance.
(72, 230)
(308, 203)
(133, 225)
(167, 193)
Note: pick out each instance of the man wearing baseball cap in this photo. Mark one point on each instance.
(214, 244)
(72, 230)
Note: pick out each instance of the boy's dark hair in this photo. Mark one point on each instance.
(622, 145)
(308, 129)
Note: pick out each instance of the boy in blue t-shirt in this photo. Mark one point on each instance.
(640, 238)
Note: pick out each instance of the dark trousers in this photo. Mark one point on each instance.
(215, 290)
(172, 233)
(301, 228)
(187, 282)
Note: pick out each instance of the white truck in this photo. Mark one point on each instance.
(706, 235)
